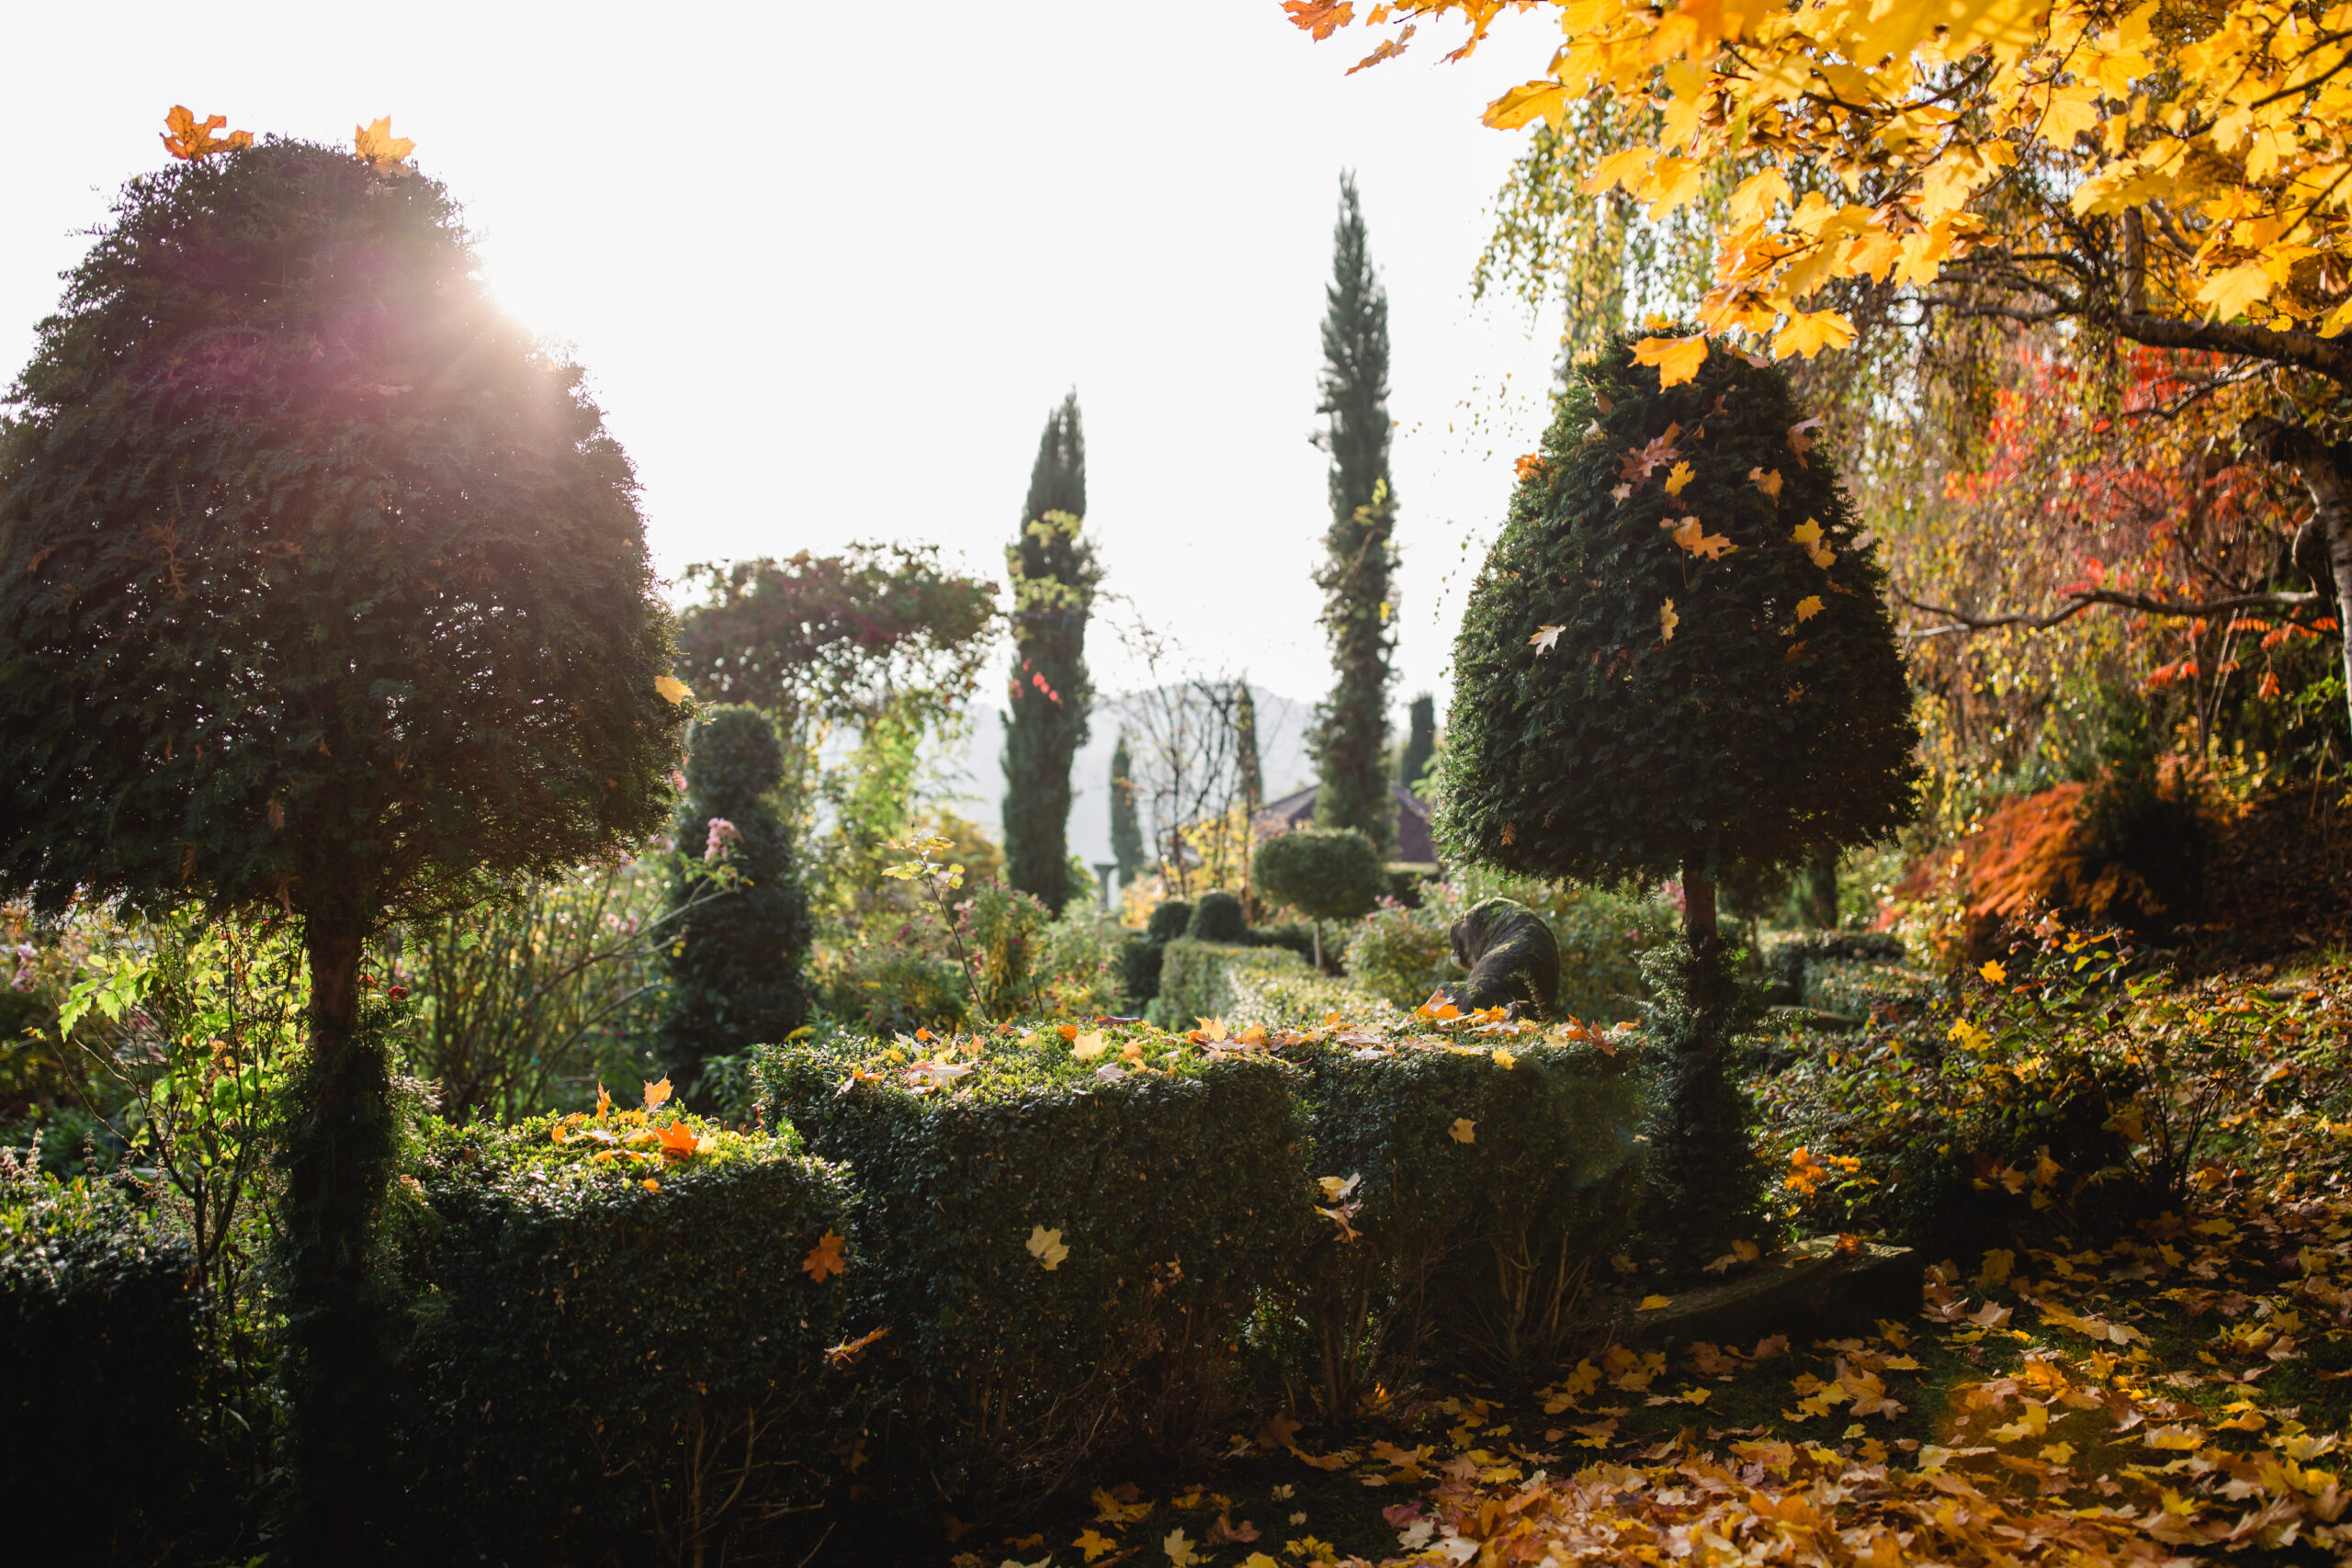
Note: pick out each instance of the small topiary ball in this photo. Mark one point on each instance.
(1218, 916)
(1326, 873)
(1170, 920)
(1678, 651)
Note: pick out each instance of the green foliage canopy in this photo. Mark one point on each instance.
(1326, 873)
(1591, 739)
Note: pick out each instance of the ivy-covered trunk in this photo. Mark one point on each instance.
(339, 1151)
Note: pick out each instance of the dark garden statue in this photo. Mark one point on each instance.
(323, 588)
(1512, 957)
(1678, 657)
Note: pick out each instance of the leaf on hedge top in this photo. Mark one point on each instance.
(1677, 359)
(604, 1102)
(671, 687)
(678, 1140)
(824, 1260)
(186, 139)
(1463, 1131)
(1211, 1029)
(1088, 1045)
(1046, 1248)
(1438, 1007)
(655, 1093)
(376, 145)
(1504, 1060)
(1255, 1034)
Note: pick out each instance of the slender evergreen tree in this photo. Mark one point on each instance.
(1245, 749)
(1359, 594)
(1420, 742)
(1127, 827)
(1053, 576)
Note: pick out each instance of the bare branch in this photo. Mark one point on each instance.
(1961, 621)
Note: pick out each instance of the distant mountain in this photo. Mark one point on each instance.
(1282, 755)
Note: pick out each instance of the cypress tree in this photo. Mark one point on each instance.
(1053, 576)
(1420, 742)
(1245, 749)
(1127, 827)
(735, 969)
(1352, 724)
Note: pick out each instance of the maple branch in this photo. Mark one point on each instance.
(2330, 356)
(1961, 621)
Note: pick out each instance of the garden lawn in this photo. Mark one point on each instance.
(2179, 1392)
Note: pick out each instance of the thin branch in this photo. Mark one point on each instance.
(1961, 621)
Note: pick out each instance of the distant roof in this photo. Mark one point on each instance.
(1414, 841)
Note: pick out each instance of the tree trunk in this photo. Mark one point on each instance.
(1819, 884)
(340, 1142)
(2322, 471)
(1699, 905)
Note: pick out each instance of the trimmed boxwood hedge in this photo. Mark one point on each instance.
(1174, 1179)
(1480, 1233)
(587, 1349)
(98, 1351)
(1269, 986)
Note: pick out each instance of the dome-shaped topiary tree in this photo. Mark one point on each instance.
(1326, 873)
(323, 588)
(736, 968)
(1678, 658)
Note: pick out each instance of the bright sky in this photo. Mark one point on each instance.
(830, 267)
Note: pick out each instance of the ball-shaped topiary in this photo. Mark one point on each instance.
(1678, 658)
(1678, 655)
(735, 963)
(1218, 916)
(1326, 873)
(1170, 920)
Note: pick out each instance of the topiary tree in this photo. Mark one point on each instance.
(1326, 873)
(322, 588)
(736, 968)
(1420, 742)
(1126, 824)
(1218, 916)
(1677, 658)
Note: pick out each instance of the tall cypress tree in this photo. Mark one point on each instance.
(1245, 749)
(1127, 828)
(1420, 742)
(1352, 724)
(1053, 576)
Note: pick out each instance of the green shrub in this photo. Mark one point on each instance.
(1082, 957)
(1001, 929)
(1218, 916)
(1271, 985)
(591, 1358)
(1174, 1179)
(1324, 874)
(1785, 959)
(1401, 953)
(1170, 920)
(98, 1362)
(1140, 959)
(896, 985)
(1481, 1235)
(1858, 987)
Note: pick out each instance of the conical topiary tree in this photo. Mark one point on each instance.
(1420, 742)
(1126, 825)
(1678, 658)
(737, 965)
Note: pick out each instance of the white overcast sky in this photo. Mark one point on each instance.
(830, 267)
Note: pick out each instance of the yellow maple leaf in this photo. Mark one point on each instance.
(376, 145)
(1692, 535)
(1992, 972)
(1046, 1248)
(670, 687)
(655, 1093)
(189, 139)
(1680, 476)
(1088, 1045)
(1504, 1060)
(1666, 621)
(1808, 607)
(1463, 1131)
(1677, 359)
(1810, 331)
(1768, 482)
(824, 1260)
(1094, 1543)
(1652, 1304)
(2228, 293)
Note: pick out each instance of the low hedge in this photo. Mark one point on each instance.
(98, 1360)
(604, 1346)
(1467, 1186)
(1269, 986)
(1173, 1179)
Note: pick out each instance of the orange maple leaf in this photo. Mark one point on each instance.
(824, 1260)
(655, 1093)
(1321, 17)
(376, 145)
(678, 1140)
(186, 139)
